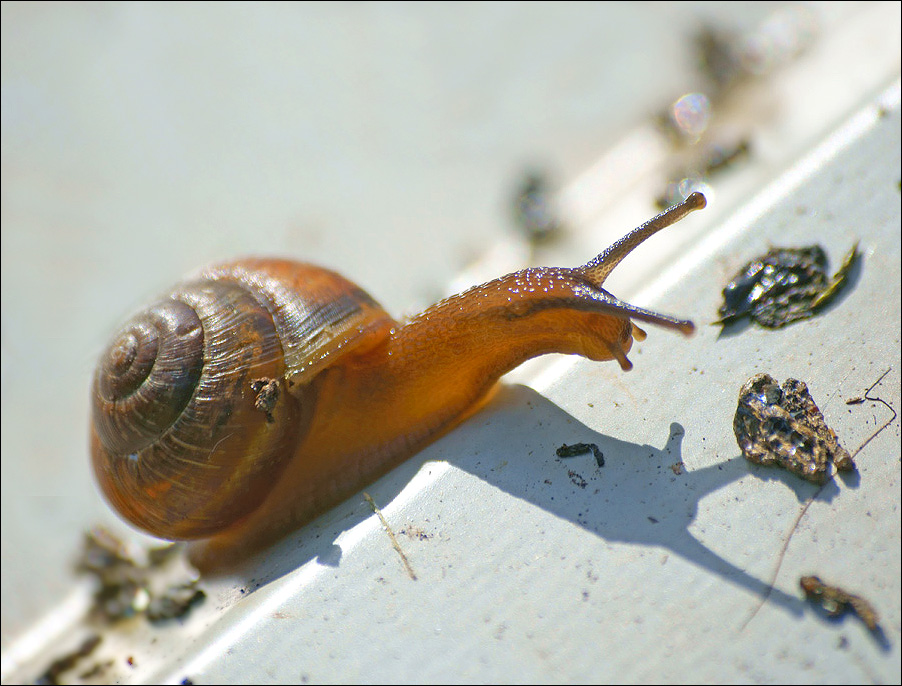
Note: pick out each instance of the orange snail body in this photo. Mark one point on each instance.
(260, 393)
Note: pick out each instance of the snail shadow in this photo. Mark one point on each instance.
(643, 495)
(638, 497)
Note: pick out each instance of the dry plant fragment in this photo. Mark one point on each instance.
(836, 602)
(783, 286)
(783, 426)
(391, 535)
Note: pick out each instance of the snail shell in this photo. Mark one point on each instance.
(175, 412)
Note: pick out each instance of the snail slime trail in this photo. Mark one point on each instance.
(239, 405)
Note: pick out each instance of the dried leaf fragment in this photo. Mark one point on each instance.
(783, 286)
(784, 426)
(836, 602)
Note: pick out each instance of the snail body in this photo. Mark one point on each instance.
(261, 392)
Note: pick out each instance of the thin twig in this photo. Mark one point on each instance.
(391, 535)
(781, 555)
(877, 400)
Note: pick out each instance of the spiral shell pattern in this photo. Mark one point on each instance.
(181, 444)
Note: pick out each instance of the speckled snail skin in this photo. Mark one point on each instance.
(260, 393)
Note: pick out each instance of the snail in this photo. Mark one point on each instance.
(259, 393)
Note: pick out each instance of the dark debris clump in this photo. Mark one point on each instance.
(534, 208)
(129, 586)
(61, 665)
(578, 449)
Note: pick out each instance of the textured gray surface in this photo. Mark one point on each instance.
(140, 142)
